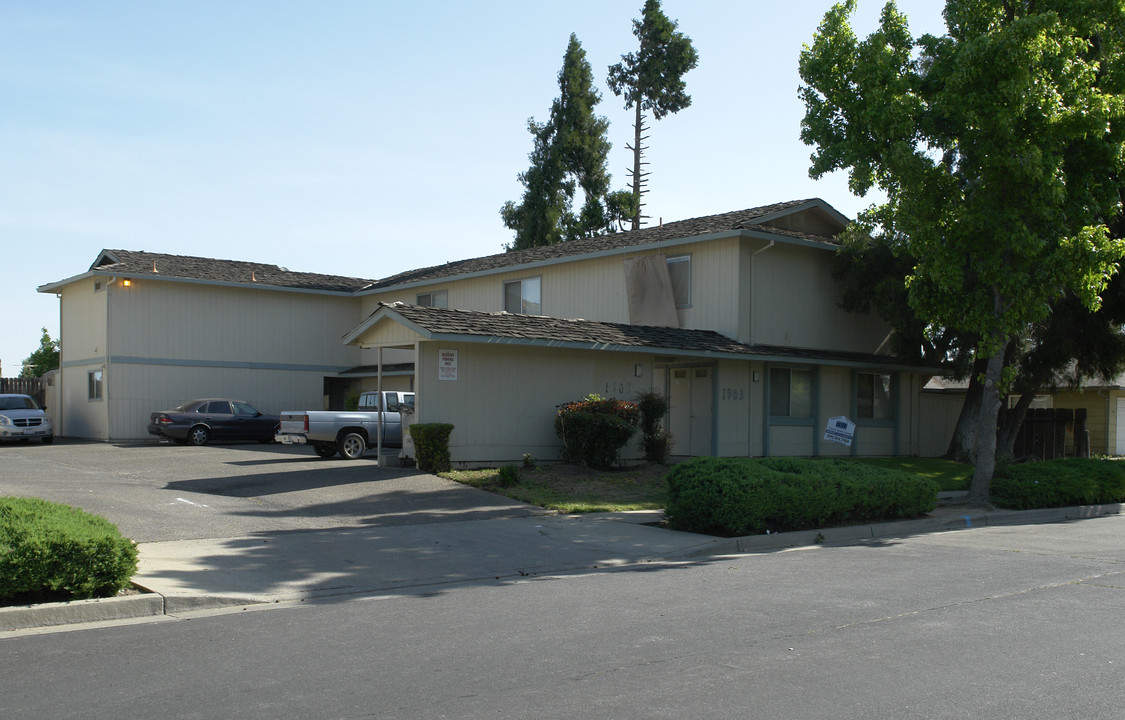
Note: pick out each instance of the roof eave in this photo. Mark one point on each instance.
(97, 272)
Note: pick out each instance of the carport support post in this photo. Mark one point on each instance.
(382, 407)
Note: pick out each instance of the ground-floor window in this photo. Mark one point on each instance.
(873, 396)
(94, 384)
(791, 392)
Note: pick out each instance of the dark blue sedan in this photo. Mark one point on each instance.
(200, 421)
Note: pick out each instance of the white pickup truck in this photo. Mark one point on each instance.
(349, 433)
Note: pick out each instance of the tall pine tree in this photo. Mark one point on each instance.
(651, 79)
(570, 152)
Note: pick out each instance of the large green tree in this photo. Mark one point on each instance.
(570, 153)
(651, 79)
(45, 358)
(999, 149)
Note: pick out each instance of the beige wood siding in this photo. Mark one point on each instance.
(82, 417)
(185, 321)
(138, 390)
(504, 399)
(83, 317)
(594, 289)
(734, 397)
(795, 303)
(162, 343)
(835, 385)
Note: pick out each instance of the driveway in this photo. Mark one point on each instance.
(161, 491)
(231, 525)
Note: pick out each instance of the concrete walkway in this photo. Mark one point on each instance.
(272, 567)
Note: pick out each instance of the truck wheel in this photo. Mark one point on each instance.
(352, 446)
(325, 450)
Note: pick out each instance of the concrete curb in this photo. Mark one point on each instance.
(23, 617)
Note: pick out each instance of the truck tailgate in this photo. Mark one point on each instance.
(294, 425)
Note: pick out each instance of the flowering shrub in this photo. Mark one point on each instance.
(594, 429)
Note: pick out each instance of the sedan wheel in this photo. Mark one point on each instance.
(199, 435)
(352, 446)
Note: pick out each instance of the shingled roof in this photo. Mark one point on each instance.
(184, 267)
(751, 219)
(448, 324)
(146, 264)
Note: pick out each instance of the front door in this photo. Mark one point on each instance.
(690, 401)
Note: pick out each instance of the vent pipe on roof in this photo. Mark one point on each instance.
(252, 277)
(154, 267)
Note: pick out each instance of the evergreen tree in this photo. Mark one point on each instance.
(570, 153)
(651, 79)
(44, 359)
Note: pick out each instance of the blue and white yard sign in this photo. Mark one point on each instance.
(840, 430)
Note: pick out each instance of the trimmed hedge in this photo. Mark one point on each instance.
(748, 496)
(1059, 483)
(594, 429)
(431, 445)
(50, 548)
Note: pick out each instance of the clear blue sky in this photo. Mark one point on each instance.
(356, 138)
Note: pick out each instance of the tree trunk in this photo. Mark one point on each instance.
(1006, 437)
(964, 434)
(638, 124)
(990, 403)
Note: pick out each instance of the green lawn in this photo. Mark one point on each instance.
(949, 475)
(577, 489)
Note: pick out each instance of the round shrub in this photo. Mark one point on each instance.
(431, 444)
(594, 429)
(745, 496)
(49, 548)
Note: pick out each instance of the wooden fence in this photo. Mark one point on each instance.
(35, 387)
(1049, 433)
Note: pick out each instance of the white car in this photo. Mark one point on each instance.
(21, 418)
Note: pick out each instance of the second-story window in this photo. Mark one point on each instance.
(438, 299)
(679, 270)
(523, 297)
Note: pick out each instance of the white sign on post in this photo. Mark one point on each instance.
(840, 430)
(447, 365)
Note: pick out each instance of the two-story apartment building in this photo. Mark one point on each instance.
(735, 317)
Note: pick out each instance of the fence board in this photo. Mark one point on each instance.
(35, 387)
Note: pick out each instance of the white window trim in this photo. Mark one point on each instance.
(681, 259)
(521, 281)
(431, 295)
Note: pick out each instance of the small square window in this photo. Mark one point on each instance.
(873, 396)
(523, 297)
(791, 393)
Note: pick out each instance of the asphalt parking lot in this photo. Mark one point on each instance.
(162, 491)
